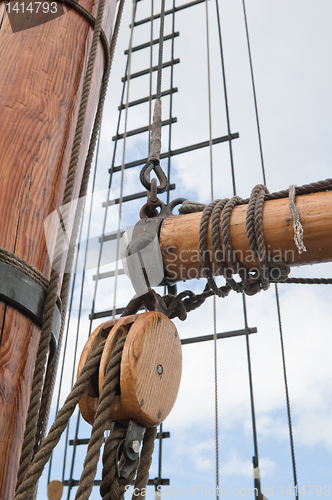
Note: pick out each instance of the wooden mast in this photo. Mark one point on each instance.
(41, 78)
(179, 236)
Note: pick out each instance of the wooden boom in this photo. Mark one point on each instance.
(179, 236)
(41, 78)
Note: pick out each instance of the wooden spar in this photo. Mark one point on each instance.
(41, 78)
(179, 236)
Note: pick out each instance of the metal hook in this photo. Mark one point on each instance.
(145, 176)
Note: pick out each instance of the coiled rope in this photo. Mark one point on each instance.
(270, 271)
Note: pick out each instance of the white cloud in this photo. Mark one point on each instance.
(290, 44)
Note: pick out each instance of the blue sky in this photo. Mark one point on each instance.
(291, 43)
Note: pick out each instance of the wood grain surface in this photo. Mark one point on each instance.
(151, 370)
(179, 236)
(41, 78)
(89, 401)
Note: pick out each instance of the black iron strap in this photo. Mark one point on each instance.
(22, 292)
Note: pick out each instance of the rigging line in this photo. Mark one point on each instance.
(123, 159)
(170, 107)
(290, 427)
(209, 95)
(226, 99)
(151, 73)
(161, 49)
(81, 296)
(64, 354)
(257, 482)
(119, 16)
(276, 286)
(115, 33)
(215, 359)
(113, 41)
(214, 297)
(254, 91)
(108, 195)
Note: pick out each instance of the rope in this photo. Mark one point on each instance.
(226, 99)
(38, 378)
(22, 265)
(112, 487)
(254, 91)
(202, 239)
(112, 379)
(123, 159)
(287, 394)
(145, 463)
(314, 187)
(298, 229)
(155, 143)
(161, 49)
(23, 492)
(109, 487)
(250, 284)
(150, 72)
(52, 370)
(155, 137)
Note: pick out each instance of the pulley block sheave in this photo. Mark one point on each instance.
(150, 369)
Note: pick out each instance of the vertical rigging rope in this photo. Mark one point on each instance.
(32, 422)
(170, 106)
(123, 159)
(276, 286)
(251, 390)
(226, 99)
(83, 191)
(257, 482)
(150, 73)
(161, 49)
(290, 427)
(254, 91)
(214, 298)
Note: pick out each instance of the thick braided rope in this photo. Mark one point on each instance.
(231, 256)
(216, 243)
(255, 231)
(206, 262)
(112, 379)
(309, 281)
(36, 392)
(313, 187)
(214, 212)
(35, 471)
(123, 483)
(13, 260)
(38, 379)
(107, 487)
(145, 463)
(52, 370)
(250, 217)
(112, 487)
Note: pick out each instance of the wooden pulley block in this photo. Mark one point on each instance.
(89, 401)
(150, 370)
